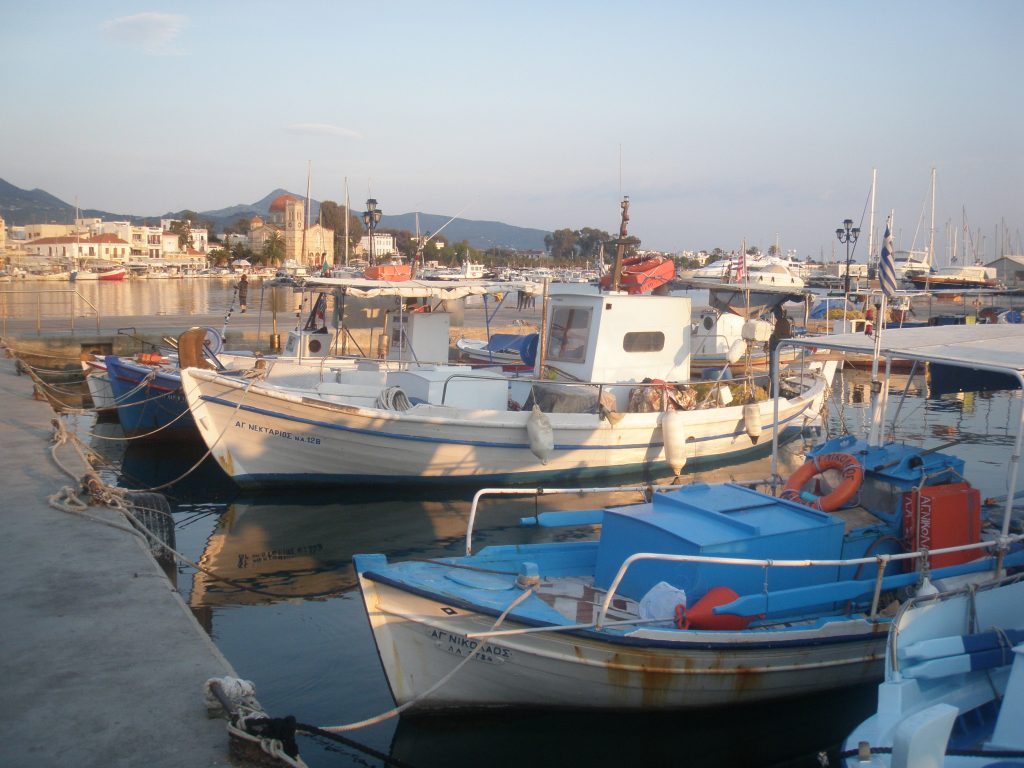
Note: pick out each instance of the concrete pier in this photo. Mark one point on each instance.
(101, 663)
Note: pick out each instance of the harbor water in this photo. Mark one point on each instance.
(294, 624)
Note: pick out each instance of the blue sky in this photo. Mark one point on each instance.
(734, 121)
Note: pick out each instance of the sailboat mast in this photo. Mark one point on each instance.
(348, 214)
(302, 257)
(931, 238)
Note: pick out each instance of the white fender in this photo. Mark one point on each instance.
(752, 421)
(542, 436)
(737, 351)
(673, 434)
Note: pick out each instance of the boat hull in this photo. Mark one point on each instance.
(98, 382)
(420, 640)
(264, 435)
(150, 401)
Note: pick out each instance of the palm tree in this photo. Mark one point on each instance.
(274, 250)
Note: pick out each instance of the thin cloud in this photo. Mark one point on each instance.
(153, 33)
(322, 129)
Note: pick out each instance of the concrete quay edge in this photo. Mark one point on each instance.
(103, 664)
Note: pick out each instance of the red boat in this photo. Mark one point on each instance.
(117, 273)
(642, 274)
(393, 273)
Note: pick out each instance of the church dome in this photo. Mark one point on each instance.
(281, 201)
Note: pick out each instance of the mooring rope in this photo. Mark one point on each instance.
(119, 499)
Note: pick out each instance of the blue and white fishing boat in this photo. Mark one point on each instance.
(147, 393)
(953, 694)
(708, 595)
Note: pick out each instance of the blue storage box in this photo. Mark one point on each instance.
(724, 520)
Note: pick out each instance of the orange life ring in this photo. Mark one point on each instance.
(853, 476)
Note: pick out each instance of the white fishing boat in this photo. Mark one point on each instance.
(623, 403)
(708, 595)
(953, 694)
(98, 381)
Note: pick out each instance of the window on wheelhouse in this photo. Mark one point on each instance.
(643, 341)
(570, 329)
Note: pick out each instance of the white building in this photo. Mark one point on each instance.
(71, 248)
(384, 244)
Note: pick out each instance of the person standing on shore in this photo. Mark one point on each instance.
(243, 291)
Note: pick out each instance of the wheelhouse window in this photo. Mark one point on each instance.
(643, 341)
(570, 329)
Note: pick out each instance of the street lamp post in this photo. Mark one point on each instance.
(848, 234)
(371, 218)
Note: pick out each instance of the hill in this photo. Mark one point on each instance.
(20, 207)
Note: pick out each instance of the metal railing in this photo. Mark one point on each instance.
(1001, 546)
(38, 303)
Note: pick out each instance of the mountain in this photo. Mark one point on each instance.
(20, 207)
(479, 234)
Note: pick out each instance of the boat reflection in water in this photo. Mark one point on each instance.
(272, 548)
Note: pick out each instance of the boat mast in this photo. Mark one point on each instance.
(931, 238)
(302, 256)
(348, 214)
(620, 244)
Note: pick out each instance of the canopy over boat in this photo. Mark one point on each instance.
(419, 289)
(995, 347)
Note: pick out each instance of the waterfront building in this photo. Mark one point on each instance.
(71, 247)
(384, 244)
(309, 247)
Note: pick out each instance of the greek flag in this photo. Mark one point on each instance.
(886, 265)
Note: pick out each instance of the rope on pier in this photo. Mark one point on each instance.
(120, 499)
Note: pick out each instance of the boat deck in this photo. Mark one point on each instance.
(579, 601)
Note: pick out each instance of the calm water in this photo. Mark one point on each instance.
(179, 297)
(309, 649)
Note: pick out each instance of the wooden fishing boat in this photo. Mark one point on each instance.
(706, 595)
(622, 402)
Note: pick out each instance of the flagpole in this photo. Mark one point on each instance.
(887, 281)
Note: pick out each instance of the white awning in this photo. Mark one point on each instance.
(419, 289)
(997, 347)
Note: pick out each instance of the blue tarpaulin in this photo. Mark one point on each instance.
(526, 345)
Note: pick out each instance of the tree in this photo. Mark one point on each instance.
(332, 216)
(274, 250)
(561, 244)
(182, 227)
(589, 242)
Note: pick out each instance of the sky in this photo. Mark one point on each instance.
(724, 122)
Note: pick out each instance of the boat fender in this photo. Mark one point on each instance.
(737, 351)
(542, 436)
(853, 476)
(150, 358)
(752, 421)
(702, 616)
(673, 435)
